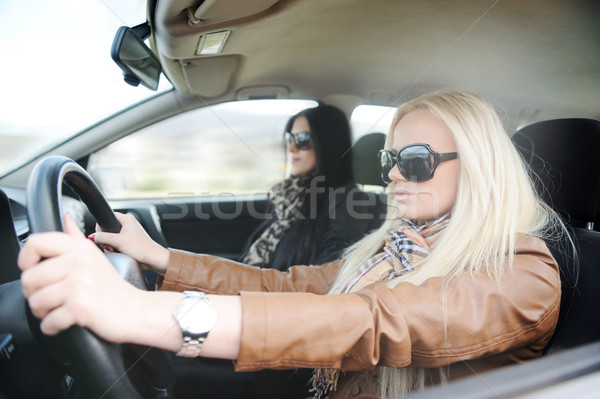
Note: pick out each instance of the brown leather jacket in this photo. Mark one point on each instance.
(468, 323)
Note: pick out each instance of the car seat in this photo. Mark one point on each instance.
(365, 159)
(367, 172)
(563, 154)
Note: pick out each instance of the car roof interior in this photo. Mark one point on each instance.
(536, 60)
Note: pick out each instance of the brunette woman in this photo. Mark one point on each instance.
(315, 212)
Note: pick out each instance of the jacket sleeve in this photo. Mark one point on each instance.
(443, 321)
(214, 275)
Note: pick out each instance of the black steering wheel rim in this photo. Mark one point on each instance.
(107, 369)
(44, 190)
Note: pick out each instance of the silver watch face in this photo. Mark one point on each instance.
(196, 315)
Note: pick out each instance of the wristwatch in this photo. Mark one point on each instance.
(196, 317)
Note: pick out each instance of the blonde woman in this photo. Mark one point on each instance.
(457, 281)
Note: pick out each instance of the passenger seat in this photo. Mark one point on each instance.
(565, 156)
(367, 175)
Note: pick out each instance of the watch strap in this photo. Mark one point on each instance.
(192, 347)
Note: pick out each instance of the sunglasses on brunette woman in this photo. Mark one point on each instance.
(416, 162)
(301, 139)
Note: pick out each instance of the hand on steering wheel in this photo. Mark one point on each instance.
(107, 369)
(133, 241)
(68, 281)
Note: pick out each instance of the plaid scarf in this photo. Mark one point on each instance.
(405, 248)
(288, 198)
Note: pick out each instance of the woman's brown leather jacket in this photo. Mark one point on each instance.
(469, 323)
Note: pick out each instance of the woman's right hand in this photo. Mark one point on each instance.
(133, 240)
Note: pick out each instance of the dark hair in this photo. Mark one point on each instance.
(330, 134)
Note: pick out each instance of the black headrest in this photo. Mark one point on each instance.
(564, 153)
(365, 160)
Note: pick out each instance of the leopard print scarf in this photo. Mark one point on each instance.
(288, 198)
(406, 246)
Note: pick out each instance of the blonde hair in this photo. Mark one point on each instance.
(493, 183)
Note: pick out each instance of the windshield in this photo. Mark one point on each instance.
(57, 73)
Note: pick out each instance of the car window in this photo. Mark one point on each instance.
(234, 147)
(58, 83)
(230, 148)
(371, 119)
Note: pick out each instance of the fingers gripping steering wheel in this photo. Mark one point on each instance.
(104, 368)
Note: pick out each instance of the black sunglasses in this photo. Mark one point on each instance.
(301, 139)
(416, 162)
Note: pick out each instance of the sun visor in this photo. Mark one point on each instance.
(209, 76)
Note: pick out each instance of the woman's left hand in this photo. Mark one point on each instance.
(68, 281)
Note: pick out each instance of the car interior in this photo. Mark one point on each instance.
(193, 159)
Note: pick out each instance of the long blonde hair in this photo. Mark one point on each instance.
(494, 185)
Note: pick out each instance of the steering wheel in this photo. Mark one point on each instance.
(105, 369)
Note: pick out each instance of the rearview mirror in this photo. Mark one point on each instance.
(138, 63)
